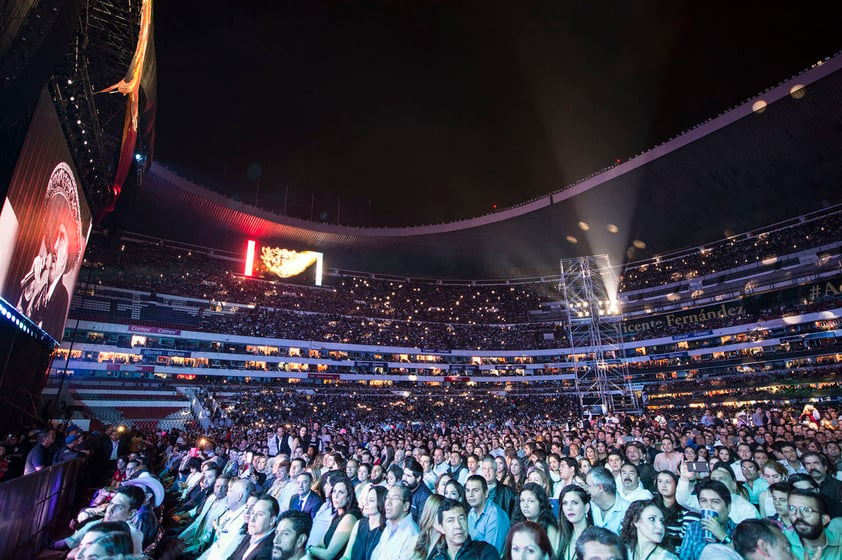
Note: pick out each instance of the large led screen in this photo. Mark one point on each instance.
(44, 225)
(271, 263)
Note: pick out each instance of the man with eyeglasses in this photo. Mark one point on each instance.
(397, 541)
(810, 517)
(753, 483)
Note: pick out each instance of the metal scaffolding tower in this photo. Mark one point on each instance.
(595, 332)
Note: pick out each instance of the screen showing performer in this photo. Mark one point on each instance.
(45, 222)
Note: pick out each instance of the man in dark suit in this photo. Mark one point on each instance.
(306, 500)
(261, 531)
(443, 430)
(108, 450)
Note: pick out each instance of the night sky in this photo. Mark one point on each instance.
(406, 113)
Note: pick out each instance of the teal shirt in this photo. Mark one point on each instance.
(833, 550)
(760, 486)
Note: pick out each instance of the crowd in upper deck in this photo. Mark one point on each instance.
(733, 253)
(372, 311)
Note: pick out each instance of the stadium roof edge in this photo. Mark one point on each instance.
(782, 90)
(741, 170)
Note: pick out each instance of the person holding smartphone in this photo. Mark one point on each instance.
(739, 507)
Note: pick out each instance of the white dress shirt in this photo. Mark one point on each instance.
(397, 541)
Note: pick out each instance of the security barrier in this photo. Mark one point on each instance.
(31, 506)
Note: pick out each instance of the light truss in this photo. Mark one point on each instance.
(93, 122)
(595, 334)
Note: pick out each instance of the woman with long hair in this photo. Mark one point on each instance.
(394, 474)
(367, 530)
(574, 507)
(428, 535)
(454, 491)
(387, 455)
(539, 476)
(400, 456)
(544, 467)
(584, 466)
(503, 476)
(345, 514)
(554, 462)
(517, 473)
(527, 541)
(724, 455)
(591, 456)
(534, 506)
(316, 477)
(441, 483)
(643, 531)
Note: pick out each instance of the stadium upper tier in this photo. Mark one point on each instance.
(801, 252)
(148, 307)
(152, 282)
(813, 240)
(771, 158)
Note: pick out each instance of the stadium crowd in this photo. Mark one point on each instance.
(366, 310)
(533, 336)
(343, 472)
(207, 277)
(390, 311)
(266, 322)
(361, 324)
(443, 473)
(734, 252)
(205, 274)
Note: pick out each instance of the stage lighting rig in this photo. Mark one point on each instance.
(101, 55)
